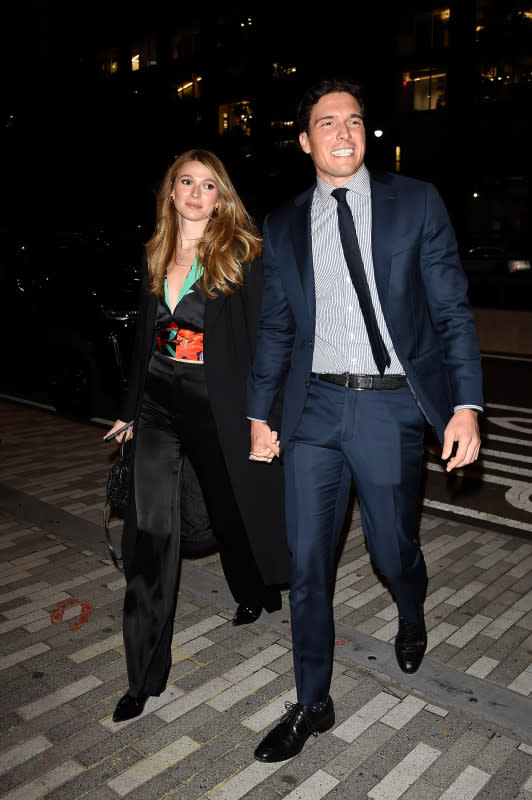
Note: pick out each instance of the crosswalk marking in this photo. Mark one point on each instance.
(467, 785)
(152, 765)
(405, 773)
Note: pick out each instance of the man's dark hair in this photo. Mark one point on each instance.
(319, 90)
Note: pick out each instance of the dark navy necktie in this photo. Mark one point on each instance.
(349, 240)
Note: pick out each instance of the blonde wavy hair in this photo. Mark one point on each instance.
(230, 238)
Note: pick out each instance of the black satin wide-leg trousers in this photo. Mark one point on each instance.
(175, 419)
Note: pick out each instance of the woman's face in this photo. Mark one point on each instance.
(195, 194)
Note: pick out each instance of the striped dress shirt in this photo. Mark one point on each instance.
(341, 340)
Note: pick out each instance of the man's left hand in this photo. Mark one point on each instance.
(463, 429)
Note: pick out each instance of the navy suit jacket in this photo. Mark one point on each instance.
(422, 290)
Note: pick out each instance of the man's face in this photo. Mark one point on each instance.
(336, 140)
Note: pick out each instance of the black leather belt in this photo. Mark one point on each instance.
(362, 381)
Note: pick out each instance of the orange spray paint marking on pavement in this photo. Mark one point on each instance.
(85, 611)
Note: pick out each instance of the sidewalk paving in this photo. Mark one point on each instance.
(461, 728)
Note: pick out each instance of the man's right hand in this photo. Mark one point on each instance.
(264, 442)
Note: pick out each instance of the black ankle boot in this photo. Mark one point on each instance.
(129, 707)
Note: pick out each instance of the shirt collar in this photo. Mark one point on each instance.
(358, 183)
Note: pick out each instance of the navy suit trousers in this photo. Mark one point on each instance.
(376, 438)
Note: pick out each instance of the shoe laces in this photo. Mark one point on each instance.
(293, 710)
(413, 632)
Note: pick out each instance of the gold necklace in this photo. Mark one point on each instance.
(179, 260)
(184, 249)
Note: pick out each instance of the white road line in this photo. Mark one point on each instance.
(19, 753)
(476, 514)
(503, 357)
(271, 712)
(509, 408)
(503, 468)
(523, 683)
(499, 438)
(440, 712)
(192, 699)
(351, 728)
(467, 785)
(96, 649)
(503, 454)
(27, 402)
(58, 698)
(520, 570)
(146, 769)
(503, 622)
(366, 597)
(254, 663)
(462, 596)
(400, 715)
(314, 788)
(437, 597)
(184, 651)
(23, 655)
(199, 629)
(244, 781)
(439, 634)
(406, 773)
(482, 667)
(468, 631)
(246, 687)
(43, 785)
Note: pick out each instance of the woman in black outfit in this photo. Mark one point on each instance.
(200, 303)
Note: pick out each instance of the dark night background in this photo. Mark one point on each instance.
(97, 99)
(82, 146)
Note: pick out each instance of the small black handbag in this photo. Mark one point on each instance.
(117, 495)
(197, 536)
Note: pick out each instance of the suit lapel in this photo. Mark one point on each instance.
(384, 198)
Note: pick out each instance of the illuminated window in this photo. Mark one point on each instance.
(189, 88)
(233, 116)
(282, 70)
(282, 123)
(429, 88)
(143, 54)
(432, 28)
(398, 158)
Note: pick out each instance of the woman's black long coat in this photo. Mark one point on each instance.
(231, 322)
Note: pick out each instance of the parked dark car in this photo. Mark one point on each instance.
(494, 259)
(499, 276)
(68, 309)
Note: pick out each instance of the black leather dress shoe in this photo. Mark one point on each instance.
(129, 707)
(244, 615)
(290, 734)
(410, 644)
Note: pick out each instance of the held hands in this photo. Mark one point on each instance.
(463, 429)
(112, 434)
(264, 442)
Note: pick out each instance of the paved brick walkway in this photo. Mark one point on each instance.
(460, 728)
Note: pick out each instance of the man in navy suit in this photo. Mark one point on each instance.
(366, 322)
